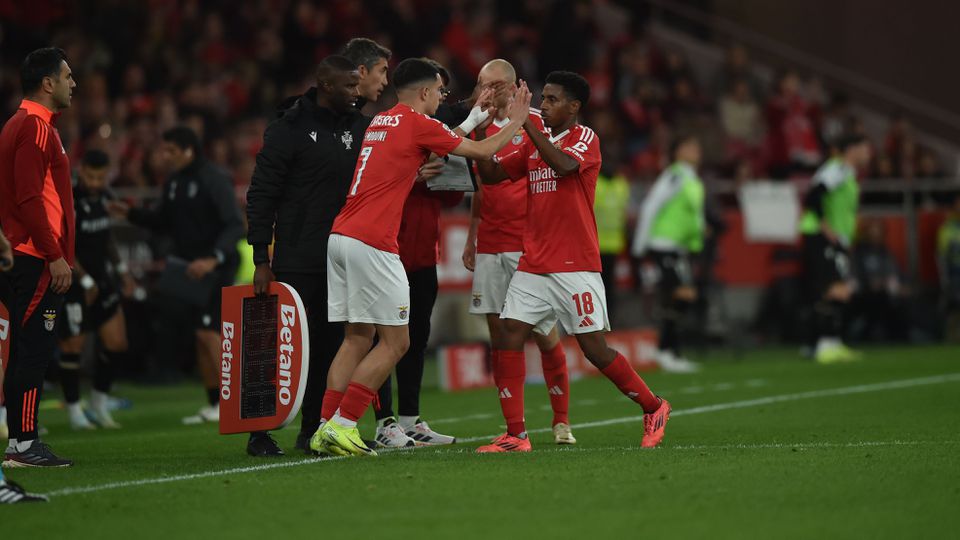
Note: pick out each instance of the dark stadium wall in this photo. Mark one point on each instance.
(908, 46)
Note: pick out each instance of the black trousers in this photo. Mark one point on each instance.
(423, 295)
(608, 274)
(325, 340)
(33, 340)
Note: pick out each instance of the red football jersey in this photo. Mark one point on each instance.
(397, 142)
(561, 231)
(503, 211)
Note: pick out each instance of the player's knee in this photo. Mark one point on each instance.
(396, 345)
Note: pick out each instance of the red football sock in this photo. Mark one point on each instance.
(627, 380)
(356, 401)
(330, 404)
(511, 369)
(558, 382)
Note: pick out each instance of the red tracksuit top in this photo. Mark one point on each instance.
(419, 234)
(36, 195)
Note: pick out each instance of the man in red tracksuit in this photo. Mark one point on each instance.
(36, 213)
(419, 252)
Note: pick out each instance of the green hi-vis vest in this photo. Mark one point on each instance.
(839, 203)
(671, 217)
(246, 268)
(610, 209)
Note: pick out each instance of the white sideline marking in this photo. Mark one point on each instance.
(859, 389)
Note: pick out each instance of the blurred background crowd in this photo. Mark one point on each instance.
(222, 67)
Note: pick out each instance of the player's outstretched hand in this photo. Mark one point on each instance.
(262, 277)
(520, 106)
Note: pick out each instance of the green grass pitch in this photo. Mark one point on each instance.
(767, 446)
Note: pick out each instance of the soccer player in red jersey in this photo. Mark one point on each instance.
(558, 277)
(367, 284)
(494, 246)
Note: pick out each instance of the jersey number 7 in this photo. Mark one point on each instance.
(364, 156)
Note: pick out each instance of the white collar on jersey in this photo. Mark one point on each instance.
(500, 123)
(559, 136)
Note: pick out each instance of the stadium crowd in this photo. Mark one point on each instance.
(224, 66)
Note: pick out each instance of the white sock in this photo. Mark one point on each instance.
(407, 422)
(827, 343)
(16, 446)
(343, 421)
(98, 400)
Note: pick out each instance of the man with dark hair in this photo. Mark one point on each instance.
(671, 228)
(93, 302)
(11, 492)
(198, 209)
(36, 211)
(370, 58)
(417, 240)
(367, 285)
(299, 185)
(828, 226)
(558, 277)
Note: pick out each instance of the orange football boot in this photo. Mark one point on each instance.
(506, 443)
(654, 424)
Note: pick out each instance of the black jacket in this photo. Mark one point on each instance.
(300, 183)
(199, 210)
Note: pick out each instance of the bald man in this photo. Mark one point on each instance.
(495, 243)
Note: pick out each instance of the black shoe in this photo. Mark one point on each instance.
(11, 493)
(38, 455)
(303, 443)
(261, 444)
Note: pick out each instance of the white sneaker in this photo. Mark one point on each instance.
(671, 364)
(78, 420)
(100, 411)
(563, 435)
(210, 413)
(422, 435)
(391, 435)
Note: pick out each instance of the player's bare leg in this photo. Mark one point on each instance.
(555, 375)
(554, 362)
(830, 347)
(208, 363)
(616, 368)
(113, 337)
(509, 366)
(70, 351)
(339, 435)
(357, 341)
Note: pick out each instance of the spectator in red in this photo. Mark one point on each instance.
(791, 133)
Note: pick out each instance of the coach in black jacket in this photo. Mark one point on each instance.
(299, 186)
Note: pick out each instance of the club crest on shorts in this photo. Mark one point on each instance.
(49, 319)
(403, 312)
(477, 299)
(346, 139)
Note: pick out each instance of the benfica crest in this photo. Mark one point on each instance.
(49, 320)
